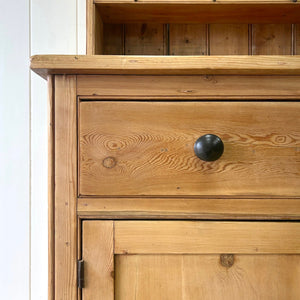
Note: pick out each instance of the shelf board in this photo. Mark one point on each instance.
(170, 2)
(204, 11)
(165, 65)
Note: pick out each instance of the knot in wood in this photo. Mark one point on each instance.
(227, 260)
(109, 162)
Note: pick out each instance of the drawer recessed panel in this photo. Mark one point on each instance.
(147, 149)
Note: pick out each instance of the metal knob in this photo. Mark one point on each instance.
(209, 147)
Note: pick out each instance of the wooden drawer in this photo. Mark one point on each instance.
(190, 260)
(147, 148)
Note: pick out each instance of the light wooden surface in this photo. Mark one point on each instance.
(275, 39)
(144, 39)
(188, 39)
(165, 65)
(193, 277)
(51, 186)
(94, 30)
(65, 229)
(147, 148)
(296, 37)
(228, 39)
(177, 237)
(150, 277)
(150, 38)
(98, 33)
(113, 39)
(98, 256)
(186, 208)
(187, 260)
(190, 1)
(189, 87)
(90, 27)
(199, 11)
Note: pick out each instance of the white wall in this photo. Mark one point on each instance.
(14, 149)
(28, 27)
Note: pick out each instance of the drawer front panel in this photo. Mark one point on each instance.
(147, 148)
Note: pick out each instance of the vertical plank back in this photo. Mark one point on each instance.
(145, 39)
(297, 39)
(188, 39)
(113, 39)
(228, 39)
(272, 39)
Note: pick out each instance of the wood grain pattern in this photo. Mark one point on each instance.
(65, 188)
(165, 65)
(190, 1)
(98, 256)
(272, 39)
(90, 27)
(178, 237)
(191, 277)
(98, 33)
(297, 39)
(151, 144)
(113, 39)
(228, 39)
(189, 87)
(51, 185)
(185, 208)
(145, 39)
(151, 277)
(188, 39)
(189, 12)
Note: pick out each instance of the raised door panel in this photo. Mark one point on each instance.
(127, 260)
(212, 276)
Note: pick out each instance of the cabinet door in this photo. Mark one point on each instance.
(127, 260)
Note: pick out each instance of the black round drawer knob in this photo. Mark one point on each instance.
(209, 147)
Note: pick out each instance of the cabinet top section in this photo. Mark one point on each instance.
(195, 11)
(45, 65)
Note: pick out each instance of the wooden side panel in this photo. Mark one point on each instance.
(113, 39)
(188, 39)
(173, 237)
(90, 27)
(272, 39)
(145, 39)
(228, 39)
(98, 256)
(99, 44)
(94, 31)
(65, 188)
(195, 87)
(193, 277)
(51, 186)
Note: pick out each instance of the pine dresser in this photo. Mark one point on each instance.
(174, 153)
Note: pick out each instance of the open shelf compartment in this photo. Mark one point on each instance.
(193, 27)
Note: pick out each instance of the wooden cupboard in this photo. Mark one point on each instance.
(182, 260)
(133, 212)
